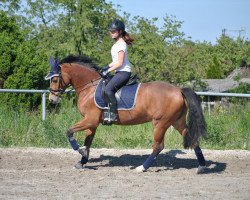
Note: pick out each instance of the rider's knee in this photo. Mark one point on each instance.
(109, 91)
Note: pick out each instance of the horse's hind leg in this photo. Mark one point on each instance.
(201, 160)
(158, 146)
(181, 126)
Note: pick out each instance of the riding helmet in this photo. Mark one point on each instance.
(116, 25)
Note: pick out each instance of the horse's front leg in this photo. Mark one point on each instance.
(81, 126)
(84, 151)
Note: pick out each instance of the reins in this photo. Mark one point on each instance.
(85, 86)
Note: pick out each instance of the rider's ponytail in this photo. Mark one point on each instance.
(127, 38)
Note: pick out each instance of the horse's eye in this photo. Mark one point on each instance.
(54, 81)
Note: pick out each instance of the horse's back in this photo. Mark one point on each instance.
(159, 84)
(155, 100)
(160, 90)
(159, 97)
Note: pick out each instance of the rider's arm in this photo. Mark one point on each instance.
(114, 66)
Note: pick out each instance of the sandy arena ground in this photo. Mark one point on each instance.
(33, 173)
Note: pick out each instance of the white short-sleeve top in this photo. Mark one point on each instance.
(116, 48)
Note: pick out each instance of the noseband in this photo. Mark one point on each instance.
(59, 91)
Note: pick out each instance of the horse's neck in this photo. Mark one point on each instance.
(82, 78)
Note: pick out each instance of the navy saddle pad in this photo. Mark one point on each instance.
(126, 96)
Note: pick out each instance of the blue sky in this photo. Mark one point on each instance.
(202, 19)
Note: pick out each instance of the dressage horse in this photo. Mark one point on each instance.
(158, 101)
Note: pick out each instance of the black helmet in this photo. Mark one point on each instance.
(116, 25)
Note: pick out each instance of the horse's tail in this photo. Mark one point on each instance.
(195, 122)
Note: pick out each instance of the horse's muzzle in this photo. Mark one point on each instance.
(54, 99)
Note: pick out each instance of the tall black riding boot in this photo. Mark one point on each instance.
(113, 111)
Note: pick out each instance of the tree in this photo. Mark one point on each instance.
(82, 28)
(214, 70)
(232, 53)
(11, 38)
(45, 31)
(154, 52)
(31, 66)
(171, 30)
(65, 27)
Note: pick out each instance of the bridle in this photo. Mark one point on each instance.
(59, 92)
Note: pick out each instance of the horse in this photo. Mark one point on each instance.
(158, 102)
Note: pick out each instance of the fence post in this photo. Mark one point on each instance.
(209, 109)
(44, 106)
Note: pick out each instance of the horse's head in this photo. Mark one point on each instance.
(58, 83)
(78, 71)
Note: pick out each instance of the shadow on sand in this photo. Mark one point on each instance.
(167, 160)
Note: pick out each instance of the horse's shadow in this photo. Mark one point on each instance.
(167, 160)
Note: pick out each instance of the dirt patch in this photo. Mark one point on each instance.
(32, 173)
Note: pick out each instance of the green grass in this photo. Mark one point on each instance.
(227, 129)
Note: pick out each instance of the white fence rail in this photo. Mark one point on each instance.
(43, 93)
(216, 94)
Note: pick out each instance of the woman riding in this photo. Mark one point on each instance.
(120, 64)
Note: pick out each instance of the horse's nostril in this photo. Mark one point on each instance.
(52, 101)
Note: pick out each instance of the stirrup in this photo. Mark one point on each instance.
(113, 116)
(109, 117)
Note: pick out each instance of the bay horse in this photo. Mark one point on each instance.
(160, 102)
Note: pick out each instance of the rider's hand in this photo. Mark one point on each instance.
(104, 68)
(104, 74)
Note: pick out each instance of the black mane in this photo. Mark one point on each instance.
(81, 59)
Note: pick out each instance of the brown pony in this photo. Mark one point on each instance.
(159, 102)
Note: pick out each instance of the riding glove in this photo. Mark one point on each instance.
(104, 74)
(104, 68)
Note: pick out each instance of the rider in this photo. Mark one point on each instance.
(120, 64)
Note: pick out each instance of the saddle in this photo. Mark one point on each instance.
(125, 96)
(132, 80)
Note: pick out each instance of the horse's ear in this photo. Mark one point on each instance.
(51, 60)
(54, 68)
(57, 63)
(54, 64)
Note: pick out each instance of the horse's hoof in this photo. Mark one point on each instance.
(140, 169)
(79, 165)
(201, 169)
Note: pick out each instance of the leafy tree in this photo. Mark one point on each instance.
(154, 52)
(147, 52)
(10, 5)
(64, 27)
(214, 70)
(45, 32)
(232, 53)
(11, 38)
(83, 25)
(28, 75)
(171, 30)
